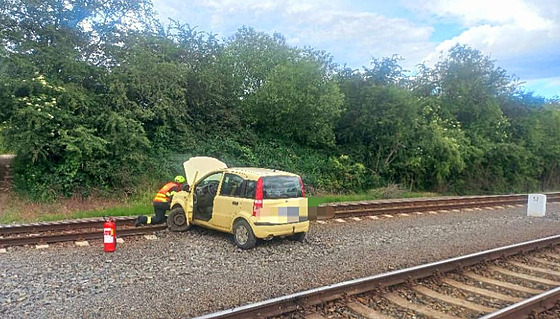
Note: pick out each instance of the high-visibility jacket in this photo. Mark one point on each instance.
(165, 193)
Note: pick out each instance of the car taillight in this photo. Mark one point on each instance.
(302, 189)
(258, 204)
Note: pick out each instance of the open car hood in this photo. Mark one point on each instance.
(198, 167)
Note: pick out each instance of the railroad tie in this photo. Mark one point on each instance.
(553, 255)
(81, 243)
(424, 310)
(502, 284)
(480, 291)
(544, 261)
(452, 300)
(524, 277)
(535, 269)
(314, 316)
(366, 311)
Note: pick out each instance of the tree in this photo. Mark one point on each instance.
(379, 121)
(469, 85)
(65, 144)
(90, 28)
(253, 55)
(297, 102)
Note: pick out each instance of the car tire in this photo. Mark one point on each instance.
(243, 235)
(299, 237)
(177, 220)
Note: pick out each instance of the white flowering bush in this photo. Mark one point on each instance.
(66, 143)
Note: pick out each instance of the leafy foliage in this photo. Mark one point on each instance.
(97, 95)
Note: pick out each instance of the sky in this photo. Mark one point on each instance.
(522, 36)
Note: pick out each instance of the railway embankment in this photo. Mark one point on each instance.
(181, 275)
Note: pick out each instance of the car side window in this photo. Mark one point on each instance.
(211, 179)
(250, 189)
(231, 186)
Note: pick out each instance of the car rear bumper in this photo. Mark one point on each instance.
(262, 230)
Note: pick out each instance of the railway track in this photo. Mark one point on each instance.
(88, 229)
(372, 208)
(509, 282)
(69, 230)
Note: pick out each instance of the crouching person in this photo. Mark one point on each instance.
(162, 202)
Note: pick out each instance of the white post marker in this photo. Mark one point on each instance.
(536, 205)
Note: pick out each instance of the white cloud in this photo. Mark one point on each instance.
(506, 30)
(364, 35)
(353, 37)
(524, 34)
(502, 41)
(475, 12)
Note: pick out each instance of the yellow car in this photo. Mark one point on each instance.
(248, 202)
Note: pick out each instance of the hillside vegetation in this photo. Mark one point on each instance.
(100, 97)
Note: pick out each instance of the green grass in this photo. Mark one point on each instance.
(373, 195)
(12, 216)
(134, 210)
(142, 206)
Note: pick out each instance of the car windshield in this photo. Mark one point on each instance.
(281, 187)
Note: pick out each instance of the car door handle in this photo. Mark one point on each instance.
(235, 203)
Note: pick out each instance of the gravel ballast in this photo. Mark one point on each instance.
(181, 275)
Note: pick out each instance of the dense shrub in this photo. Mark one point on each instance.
(125, 104)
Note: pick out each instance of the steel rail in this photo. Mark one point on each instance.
(75, 236)
(523, 309)
(518, 199)
(381, 207)
(340, 210)
(431, 203)
(73, 224)
(420, 208)
(282, 305)
(356, 209)
(382, 203)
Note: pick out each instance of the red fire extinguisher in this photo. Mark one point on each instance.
(109, 235)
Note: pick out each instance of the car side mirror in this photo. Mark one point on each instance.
(186, 188)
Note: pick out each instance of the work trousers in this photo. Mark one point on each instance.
(159, 209)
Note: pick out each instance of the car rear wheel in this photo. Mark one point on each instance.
(177, 220)
(299, 237)
(243, 235)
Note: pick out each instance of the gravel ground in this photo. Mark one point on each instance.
(553, 313)
(181, 275)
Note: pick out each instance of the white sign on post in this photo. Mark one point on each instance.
(536, 205)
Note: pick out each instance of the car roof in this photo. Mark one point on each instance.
(256, 172)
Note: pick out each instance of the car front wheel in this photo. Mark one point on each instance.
(243, 235)
(177, 220)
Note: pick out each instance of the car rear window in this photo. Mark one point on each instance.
(281, 187)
